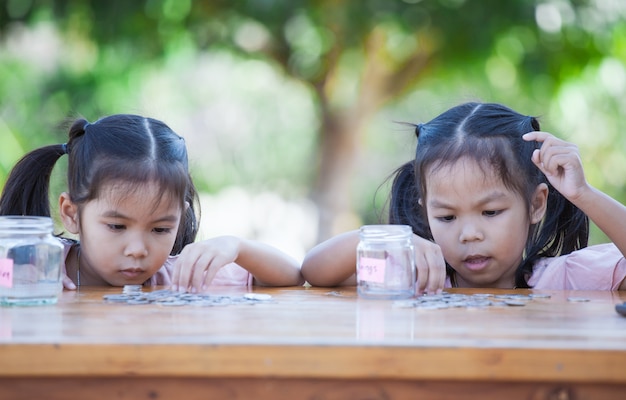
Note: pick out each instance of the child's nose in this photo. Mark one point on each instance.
(136, 246)
(470, 232)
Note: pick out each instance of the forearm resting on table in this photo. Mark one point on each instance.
(333, 262)
(269, 266)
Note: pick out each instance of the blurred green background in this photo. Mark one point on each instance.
(290, 108)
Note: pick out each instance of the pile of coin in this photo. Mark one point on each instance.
(477, 300)
(133, 295)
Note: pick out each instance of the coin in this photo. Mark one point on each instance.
(458, 300)
(257, 296)
(540, 296)
(517, 303)
(133, 295)
(578, 299)
(131, 289)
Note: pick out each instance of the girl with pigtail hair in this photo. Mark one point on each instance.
(493, 202)
(132, 204)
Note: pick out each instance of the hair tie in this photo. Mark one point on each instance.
(418, 129)
(64, 148)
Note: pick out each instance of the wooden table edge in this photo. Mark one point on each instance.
(313, 361)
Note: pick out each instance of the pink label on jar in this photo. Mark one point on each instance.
(372, 269)
(6, 272)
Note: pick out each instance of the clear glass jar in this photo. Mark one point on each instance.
(385, 266)
(30, 261)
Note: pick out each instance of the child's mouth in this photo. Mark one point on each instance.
(131, 273)
(476, 263)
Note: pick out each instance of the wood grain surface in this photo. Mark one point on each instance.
(315, 343)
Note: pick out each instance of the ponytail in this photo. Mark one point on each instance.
(564, 229)
(26, 191)
(404, 207)
(189, 224)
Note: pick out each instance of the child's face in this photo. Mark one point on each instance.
(480, 225)
(126, 237)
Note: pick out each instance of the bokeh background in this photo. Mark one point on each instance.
(293, 109)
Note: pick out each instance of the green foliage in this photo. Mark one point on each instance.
(251, 82)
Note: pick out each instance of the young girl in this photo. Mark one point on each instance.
(132, 204)
(493, 203)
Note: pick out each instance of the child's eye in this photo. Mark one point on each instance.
(446, 218)
(492, 213)
(116, 227)
(162, 230)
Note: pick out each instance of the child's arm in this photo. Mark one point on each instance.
(268, 265)
(560, 162)
(199, 262)
(333, 263)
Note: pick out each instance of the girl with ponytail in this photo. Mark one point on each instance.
(493, 203)
(132, 205)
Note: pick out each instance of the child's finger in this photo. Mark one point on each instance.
(181, 279)
(422, 270)
(217, 263)
(199, 271)
(538, 136)
(436, 271)
(68, 283)
(431, 271)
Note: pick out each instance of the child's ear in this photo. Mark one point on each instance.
(539, 203)
(69, 213)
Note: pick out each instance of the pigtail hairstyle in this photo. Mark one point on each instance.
(26, 191)
(127, 149)
(491, 135)
(404, 203)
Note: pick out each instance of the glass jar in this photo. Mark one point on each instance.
(30, 261)
(385, 266)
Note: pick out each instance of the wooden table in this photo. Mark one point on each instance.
(313, 343)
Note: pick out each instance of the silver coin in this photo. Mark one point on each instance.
(577, 299)
(117, 298)
(257, 296)
(138, 301)
(479, 303)
(431, 306)
(172, 303)
(516, 303)
(131, 289)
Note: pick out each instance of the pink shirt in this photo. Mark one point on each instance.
(229, 275)
(598, 267)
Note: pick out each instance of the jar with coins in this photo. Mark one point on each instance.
(386, 262)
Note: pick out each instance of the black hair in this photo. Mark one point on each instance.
(119, 148)
(490, 134)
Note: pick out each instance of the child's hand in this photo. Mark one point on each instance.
(67, 282)
(198, 263)
(431, 267)
(560, 162)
